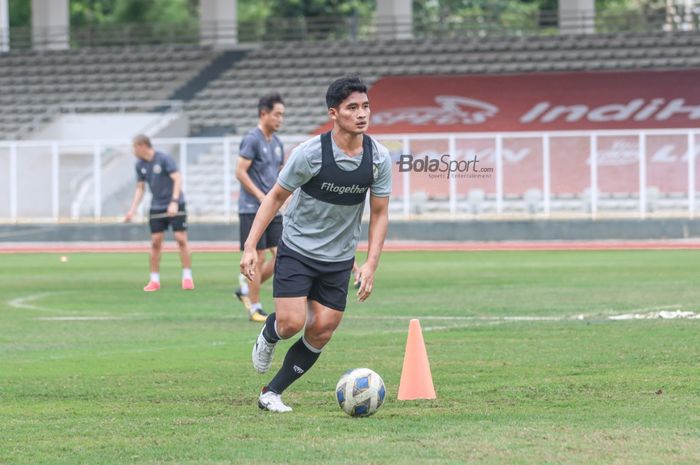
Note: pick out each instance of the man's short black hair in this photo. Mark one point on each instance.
(340, 89)
(267, 102)
(142, 139)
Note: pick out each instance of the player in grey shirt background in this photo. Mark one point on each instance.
(260, 158)
(159, 171)
(328, 178)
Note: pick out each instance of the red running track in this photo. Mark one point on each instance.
(391, 246)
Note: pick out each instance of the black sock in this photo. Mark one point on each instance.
(269, 333)
(299, 359)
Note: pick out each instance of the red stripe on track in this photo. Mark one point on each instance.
(391, 246)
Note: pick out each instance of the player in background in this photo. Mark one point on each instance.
(159, 170)
(329, 177)
(260, 158)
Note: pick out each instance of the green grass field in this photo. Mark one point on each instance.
(168, 379)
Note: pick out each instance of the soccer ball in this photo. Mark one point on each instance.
(360, 392)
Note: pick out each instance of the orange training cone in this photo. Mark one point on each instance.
(416, 380)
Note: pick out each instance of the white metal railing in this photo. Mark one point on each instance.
(589, 174)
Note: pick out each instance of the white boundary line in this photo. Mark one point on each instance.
(27, 302)
(81, 318)
(469, 318)
(655, 312)
(125, 351)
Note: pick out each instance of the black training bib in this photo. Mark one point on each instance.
(340, 187)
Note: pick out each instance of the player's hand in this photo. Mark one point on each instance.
(128, 217)
(172, 209)
(249, 263)
(364, 277)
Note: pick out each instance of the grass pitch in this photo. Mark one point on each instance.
(95, 371)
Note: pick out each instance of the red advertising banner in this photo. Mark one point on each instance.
(618, 170)
(536, 102)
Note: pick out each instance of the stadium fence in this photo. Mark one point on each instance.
(576, 174)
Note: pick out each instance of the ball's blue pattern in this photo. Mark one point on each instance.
(360, 392)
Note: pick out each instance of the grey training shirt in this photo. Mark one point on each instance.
(320, 230)
(267, 159)
(156, 173)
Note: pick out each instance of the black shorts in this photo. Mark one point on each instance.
(300, 276)
(270, 238)
(161, 221)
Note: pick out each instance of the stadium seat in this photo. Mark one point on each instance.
(32, 81)
(302, 70)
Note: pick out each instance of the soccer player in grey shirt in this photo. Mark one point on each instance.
(260, 158)
(159, 171)
(328, 177)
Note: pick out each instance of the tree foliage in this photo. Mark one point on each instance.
(88, 12)
(319, 8)
(20, 12)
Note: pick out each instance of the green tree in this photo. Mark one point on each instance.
(20, 13)
(316, 8)
(153, 11)
(87, 12)
(253, 11)
(90, 12)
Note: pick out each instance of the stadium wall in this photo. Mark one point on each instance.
(457, 231)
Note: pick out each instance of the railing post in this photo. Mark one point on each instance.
(97, 178)
(594, 174)
(406, 175)
(546, 176)
(54, 182)
(642, 176)
(453, 179)
(13, 182)
(691, 175)
(499, 174)
(227, 180)
(183, 164)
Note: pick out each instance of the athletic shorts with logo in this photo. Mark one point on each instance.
(161, 222)
(300, 276)
(271, 236)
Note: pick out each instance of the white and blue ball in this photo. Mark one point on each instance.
(360, 392)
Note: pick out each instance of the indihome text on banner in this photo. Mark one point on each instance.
(536, 102)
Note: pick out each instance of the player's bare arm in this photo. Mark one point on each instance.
(243, 177)
(138, 195)
(268, 209)
(378, 223)
(175, 201)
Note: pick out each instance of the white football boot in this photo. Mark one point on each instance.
(262, 353)
(272, 402)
